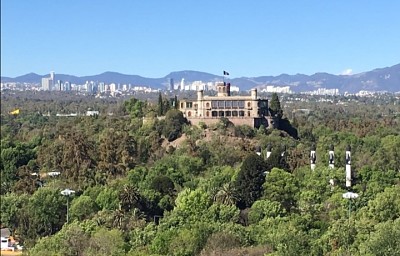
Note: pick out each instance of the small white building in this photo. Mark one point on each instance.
(92, 113)
(5, 243)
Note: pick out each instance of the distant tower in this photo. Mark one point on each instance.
(46, 83)
(331, 157)
(183, 84)
(313, 157)
(59, 85)
(258, 150)
(348, 166)
(269, 149)
(67, 86)
(171, 84)
(52, 80)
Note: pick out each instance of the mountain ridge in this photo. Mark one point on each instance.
(379, 79)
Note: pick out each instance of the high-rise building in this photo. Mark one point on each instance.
(171, 84)
(59, 86)
(46, 83)
(113, 87)
(102, 87)
(67, 86)
(52, 80)
(182, 84)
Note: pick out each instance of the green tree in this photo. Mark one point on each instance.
(275, 106)
(249, 180)
(82, 207)
(135, 108)
(281, 186)
(106, 243)
(160, 106)
(174, 121)
(265, 209)
(10, 207)
(47, 213)
(163, 184)
(108, 199)
(384, 240)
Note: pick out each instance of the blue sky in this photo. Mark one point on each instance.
(154, 38)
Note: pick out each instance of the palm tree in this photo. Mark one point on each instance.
(226, 195)
(129, 198)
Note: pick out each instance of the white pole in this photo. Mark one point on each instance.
(331, 159)
(348, 168)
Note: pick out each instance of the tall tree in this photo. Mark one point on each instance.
(160, 110)
(275, 106)
(250, 180)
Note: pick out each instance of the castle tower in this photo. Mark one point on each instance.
(223, 90)
(253, 94)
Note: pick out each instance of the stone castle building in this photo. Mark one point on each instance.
(240, 110)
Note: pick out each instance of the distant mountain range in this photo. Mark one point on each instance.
(381, 79)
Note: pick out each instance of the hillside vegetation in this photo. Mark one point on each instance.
(164, 187)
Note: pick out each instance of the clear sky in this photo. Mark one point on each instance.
(153, 38)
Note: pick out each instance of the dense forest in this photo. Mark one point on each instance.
(147, 182)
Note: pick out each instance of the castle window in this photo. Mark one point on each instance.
(248, 104)
(228, 113)
(234, 113)
(248, 113)
(189, 114)
(181, 104)
(241, 113)
(207, 114)
(189, 104)
(207, 105)
(214, 113)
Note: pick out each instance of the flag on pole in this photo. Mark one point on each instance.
(15, 112)
(226, 73)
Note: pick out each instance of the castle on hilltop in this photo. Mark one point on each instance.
(240, 110)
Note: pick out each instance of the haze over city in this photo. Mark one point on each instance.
(153, 38)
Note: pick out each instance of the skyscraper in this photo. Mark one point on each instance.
(182, 84)
(46, 83)
(171, 84)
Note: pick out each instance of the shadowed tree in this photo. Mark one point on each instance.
(250, 180)
(275, 106)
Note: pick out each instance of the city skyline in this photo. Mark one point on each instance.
(152, 39)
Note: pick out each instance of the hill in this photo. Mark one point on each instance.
(380, 79)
